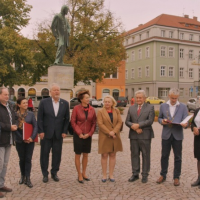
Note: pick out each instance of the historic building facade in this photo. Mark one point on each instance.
(164, 53)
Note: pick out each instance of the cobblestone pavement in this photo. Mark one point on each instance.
(69, 188)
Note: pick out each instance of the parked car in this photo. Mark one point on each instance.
(154, 100)
(93, 102)
(73, 102)
(36, 100)
(192, 104)
(100, 102)
(121, 101)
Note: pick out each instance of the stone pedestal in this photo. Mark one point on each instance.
(63, 76)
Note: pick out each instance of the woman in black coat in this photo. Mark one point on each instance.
(25, 147)
(195, 127)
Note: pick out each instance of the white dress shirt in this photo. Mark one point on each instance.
(56, 106)
(197, 119)
(172, 108)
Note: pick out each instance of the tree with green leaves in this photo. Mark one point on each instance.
(17, 65)
(96, 41)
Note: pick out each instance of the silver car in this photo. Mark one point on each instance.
(193, 104)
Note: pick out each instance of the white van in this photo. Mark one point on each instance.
(36, 100)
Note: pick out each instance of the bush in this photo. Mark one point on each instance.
(121, 110)
(156, 113)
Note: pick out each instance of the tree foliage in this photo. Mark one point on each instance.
(16, 56)
(14, 13)
(96, 41)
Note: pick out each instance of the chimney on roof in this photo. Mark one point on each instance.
(140, 24)
(195, 18)
(186, 16)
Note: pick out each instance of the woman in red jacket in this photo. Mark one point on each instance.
(83, 121)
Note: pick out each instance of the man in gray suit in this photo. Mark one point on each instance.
(139, 119)
(172, 134)
(61, 31)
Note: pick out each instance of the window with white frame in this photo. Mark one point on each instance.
(181, 72)
(140, 36)
(111, 76)
(162, 70)
(190, 54)
(190, 73)
(140, 54)
(132, 73)
(133, 38)
(126, 74)
(133, 55)
(171, 71)
(199, 74)
(191, 37)
(162, 51)
(140, 72)
(171, 52)
(147, 34)
(147, 71)
(170, 34)
(127, 57)
(126, 41)
(147, 52)
(162, 33)
(181, 36)
(181, 53)
(181, 92)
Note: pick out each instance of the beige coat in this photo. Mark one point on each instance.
(106, 143)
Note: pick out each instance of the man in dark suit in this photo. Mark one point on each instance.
(139, 119)
(53, 122)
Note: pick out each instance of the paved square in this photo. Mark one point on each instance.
(68, 187)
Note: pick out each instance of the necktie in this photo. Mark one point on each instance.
(138, 111)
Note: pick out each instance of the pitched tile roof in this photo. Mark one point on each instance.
(170, 21)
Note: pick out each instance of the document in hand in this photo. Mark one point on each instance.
(27, 131)
(185, 120)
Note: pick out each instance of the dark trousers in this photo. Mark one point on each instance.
(55, 145)
(177, 149)
(138, 146)
(25, 152)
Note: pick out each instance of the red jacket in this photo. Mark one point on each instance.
(79, 122)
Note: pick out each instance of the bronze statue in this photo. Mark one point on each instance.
(61, 30)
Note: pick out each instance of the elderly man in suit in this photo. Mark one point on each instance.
(172, 134)
(139, 119)
(53, 122)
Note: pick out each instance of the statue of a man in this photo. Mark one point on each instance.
(61, 30)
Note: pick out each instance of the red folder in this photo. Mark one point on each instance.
(27, 132)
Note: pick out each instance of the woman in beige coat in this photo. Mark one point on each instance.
(110, 123)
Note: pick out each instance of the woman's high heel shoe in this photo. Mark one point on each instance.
(80, 181)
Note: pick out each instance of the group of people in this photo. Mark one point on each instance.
(53, 121)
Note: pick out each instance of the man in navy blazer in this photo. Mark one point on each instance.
(172, 134)
(53, 121)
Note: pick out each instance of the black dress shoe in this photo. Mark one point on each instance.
(144, 179)
(45, 179)
(28, 182)
(22, 179)
(86, 179)
(133, 178)
(55, 177)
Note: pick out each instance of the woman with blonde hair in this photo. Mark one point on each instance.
(110, 123)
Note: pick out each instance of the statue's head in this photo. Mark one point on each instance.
(64, 10)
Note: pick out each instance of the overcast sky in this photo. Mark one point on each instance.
(130, 12)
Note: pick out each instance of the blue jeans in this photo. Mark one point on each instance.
(4, 158)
